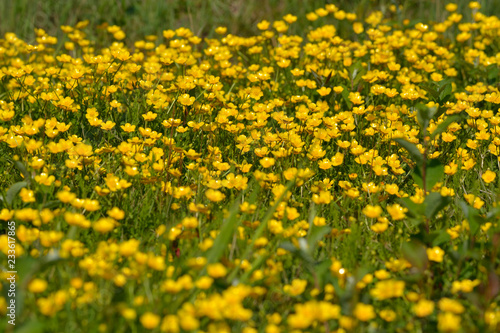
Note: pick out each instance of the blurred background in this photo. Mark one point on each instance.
(139, 18)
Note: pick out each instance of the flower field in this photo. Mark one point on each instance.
(339, 178)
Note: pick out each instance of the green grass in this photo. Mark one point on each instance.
(150, 17)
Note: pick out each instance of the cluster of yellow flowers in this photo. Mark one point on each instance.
(183, 182)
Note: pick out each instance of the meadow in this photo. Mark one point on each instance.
(331, 170)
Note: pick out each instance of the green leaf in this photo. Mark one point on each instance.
(493, 213)
(13, 191)
(431, 88)
(32, 326)
(417, 176)
(434, 202)
(439, 237)
(445, 124)
(289, 247)
(345, 95)
(316, 234)
(439, 112)
(445, 90)
(424, 115)
(473, 217)
(412, 150)
(413, 208)
(356, 69)
(493, 72)
(22, 168)
(322, 271)
(435, 172)
(226, 233)
(303, 253)
(416, 254)
(312, 214)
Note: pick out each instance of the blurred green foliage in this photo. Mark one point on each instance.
(139, 18)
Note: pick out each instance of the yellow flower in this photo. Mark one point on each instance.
(337, 159)
(37, 286)
(436, 77)
(83, 150)
(448, 322)
(204, 282)
(387, 315)
(119, 35)
(289, 18)
(423, 308)
(364, 312)
(358, 27)
(128, 313)
(221, 30)
(128, 128)
(216, 270)
(372, 211)
(296, 288)
(451, 7)
(214, 195)
(6, 214)
(435, 254)
(119, 280)
(488, 176)
(104, 225)
(451, 305)
(397, 212)
(474, 5)
(186, 100)
(325, 164)
(27, 195)
(263, 25)
(267, 162)
(323, 91)
(379, 227)
(116, 213)
(387, 289)
(190, 222)
(150, 320)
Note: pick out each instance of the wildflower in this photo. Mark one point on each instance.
(388, 315)
(186, 100)
(364, 312)
(423, 308)
(204, 282)
(488, 176)
(396, 211)
(448, 322)
(388, 289)
(150, 320)
(358, 27)
(337, 159)
(27, 195)
(451, 305)
(372, 211)
(214, 195)
(216, 270)
(267, 162)
(324, 91)
(296, 288)
(37, 286)
(435, 254)
(104, 225)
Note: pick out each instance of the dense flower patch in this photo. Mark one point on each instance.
(273, 183)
